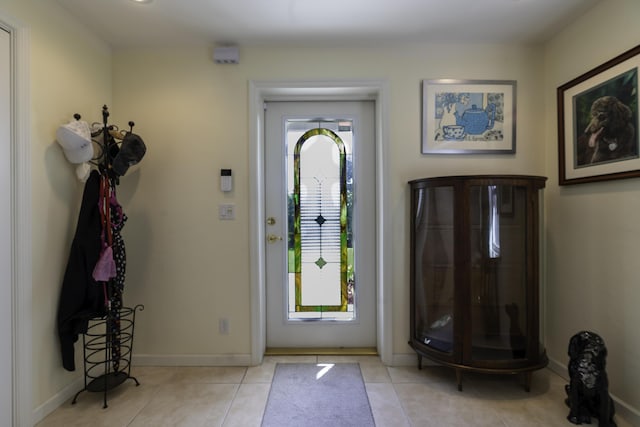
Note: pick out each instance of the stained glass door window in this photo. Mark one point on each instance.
(321, 281)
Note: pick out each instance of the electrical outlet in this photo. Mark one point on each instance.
(223, 326)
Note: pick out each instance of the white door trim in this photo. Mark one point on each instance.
(21, 285)
(259, 93)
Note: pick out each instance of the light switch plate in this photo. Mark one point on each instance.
(227, 211)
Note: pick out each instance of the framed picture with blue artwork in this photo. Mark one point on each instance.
(468, 116)
(598, 123)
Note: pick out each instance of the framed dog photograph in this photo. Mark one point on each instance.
(598, 136)
(468, 116)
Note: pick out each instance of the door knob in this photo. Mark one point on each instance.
(272, 238)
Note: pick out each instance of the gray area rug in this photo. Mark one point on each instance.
(317, 395)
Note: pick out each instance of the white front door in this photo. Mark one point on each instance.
(6, 320)
(320, 224)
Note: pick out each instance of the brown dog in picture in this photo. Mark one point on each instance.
(610, 134)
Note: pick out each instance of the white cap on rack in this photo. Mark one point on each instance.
(75, 140)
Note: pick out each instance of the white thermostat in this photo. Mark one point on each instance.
(226, 182)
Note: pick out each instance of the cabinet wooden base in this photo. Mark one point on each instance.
(525, 372)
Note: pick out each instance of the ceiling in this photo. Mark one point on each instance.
(125, 23)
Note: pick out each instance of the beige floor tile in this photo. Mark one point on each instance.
(533, 412)
(362, 360)
(620, 422)
(399, 397)
(209, 374)
(386, 408)
(248, 406)
(542, 406)
(260, 374)
(424, 405)
(500, 387)
(470, 413)
(185, 405)
(153, 375)
(124, 403)
(427, 374)
(372, 373)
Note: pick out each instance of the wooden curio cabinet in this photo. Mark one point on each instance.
(475, 244)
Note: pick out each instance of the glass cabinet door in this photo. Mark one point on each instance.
(433, 267)
(498, 277)
(475, 272)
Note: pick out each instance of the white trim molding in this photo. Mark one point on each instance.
(21, 276)
(263, 91)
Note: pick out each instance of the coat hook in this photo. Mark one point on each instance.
(77, 116)
(105, 114)
(131, 125)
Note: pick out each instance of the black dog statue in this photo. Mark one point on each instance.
(588, 389)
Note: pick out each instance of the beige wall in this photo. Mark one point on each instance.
(592, 229)
(70, 72)
(188, 267)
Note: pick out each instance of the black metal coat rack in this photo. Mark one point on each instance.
(108, 340)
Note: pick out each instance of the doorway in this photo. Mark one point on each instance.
(6, 389)
(320, 243)
(261, 92)
(15, 223)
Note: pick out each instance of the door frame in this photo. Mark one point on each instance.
(356, 90)
(21, 275)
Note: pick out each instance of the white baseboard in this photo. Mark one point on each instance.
(623, 409)
(191, 360)
(558, 368)
(57, 400)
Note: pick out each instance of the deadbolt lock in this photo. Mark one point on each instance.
(271, 221)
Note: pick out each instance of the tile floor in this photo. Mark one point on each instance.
(399, 396)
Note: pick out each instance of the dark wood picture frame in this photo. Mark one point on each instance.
(598, 127)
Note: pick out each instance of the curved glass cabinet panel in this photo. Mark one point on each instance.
(498, 218)
(434, 243)
(475, 273)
